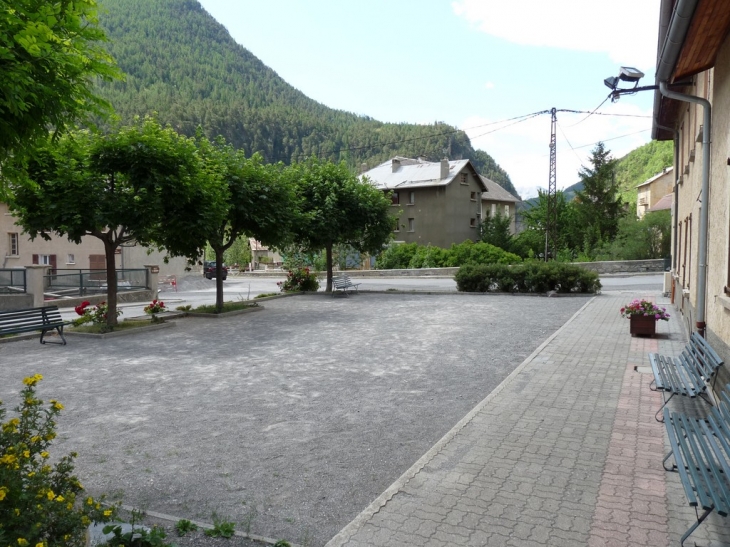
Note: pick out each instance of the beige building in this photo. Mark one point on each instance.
(439, 203)
(17, 251)
(651, 191)
(700, 56)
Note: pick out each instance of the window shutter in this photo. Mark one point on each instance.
(53, 264)
(35, 259)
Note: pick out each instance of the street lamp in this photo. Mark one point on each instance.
(627, 74)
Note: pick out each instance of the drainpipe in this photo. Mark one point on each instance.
(705, 197)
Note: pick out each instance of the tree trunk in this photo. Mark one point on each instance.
(111, 283)
(218, 279)
(328, 251)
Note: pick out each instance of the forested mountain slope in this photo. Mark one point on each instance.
(183, 65)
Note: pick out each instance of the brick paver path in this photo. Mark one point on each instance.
(565, 453)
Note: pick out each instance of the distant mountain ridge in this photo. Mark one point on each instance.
(184, 65)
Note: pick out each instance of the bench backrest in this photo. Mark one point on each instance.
(701, 354)
(30, 317)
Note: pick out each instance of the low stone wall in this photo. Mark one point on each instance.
(624, 266)
(10, 302)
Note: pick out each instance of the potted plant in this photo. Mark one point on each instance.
(643, 315)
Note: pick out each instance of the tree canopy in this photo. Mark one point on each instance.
(114, 187)
(51, 53)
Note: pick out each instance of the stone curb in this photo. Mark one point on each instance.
(225, 314)
(359, 521)
(115, 334)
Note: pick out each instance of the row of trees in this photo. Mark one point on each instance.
(595, 225)
(147, 183)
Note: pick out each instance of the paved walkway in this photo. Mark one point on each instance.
(566, 452)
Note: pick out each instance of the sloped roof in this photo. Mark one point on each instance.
(412, 173)
(656, 177)
(496, 193)
(663, 204)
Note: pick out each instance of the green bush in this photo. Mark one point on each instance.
(479, 253)
(428, 257)
(529, 277)
(413, 255)
(397, 256)
(41, 505)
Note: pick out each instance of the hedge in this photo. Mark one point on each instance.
(413, 255)
(529, 277)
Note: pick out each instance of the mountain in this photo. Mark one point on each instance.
(184, 65)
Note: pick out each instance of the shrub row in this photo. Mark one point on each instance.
(413, 255)
(529, 277)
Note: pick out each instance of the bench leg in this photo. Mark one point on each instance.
(664, 461)
(695, 526)
(652, 385)
(60, 333)
(656, 416)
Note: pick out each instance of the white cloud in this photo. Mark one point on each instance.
(489, 85)
(523, 149)
(626, 30)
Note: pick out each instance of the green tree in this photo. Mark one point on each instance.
(495, 230)
(570, 235)
(115, 187)
(339, 208)
(599, 205)
(239, 253)
(50, 55)
(642, 239)
(258, 201)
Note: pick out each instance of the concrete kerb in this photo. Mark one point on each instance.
(359, 521)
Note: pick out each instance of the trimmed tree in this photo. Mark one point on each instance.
(339, 208)
(115, 188)
(257, 200)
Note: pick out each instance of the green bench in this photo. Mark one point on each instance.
(687, 375)
(701, 452)
(342, 283)
(32, 320)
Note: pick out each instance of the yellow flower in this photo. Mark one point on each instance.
(8, 459)
(50, 436)
(56, 404)
(89, 501)
(3, 493)
(22, 542)
(40, 544)
(31, 381)
(108, 513)
(50, 495)
(69, 506)
(44, 454)
(59, 499)
(26, 453)
(35, 439)
(98, 505)
(85, 520)
(17, 512)
(31, 474)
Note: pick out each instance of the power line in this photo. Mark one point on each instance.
(590, 113)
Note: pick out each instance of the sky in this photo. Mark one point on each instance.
(469, 63)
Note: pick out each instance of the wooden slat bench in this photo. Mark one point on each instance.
(31, 320)
(701, 452)
(342, 283)
(689, 374)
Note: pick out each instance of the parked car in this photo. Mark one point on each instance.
(209, 270)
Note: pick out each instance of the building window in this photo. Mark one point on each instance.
(396, 228)
(506, 210)
(463, 179)
(14, 244)
(394, 199)
(411, 224)
(473, 196)
(411, 198)
(70, 259)
(44, 259)
(494, 210)
(472, 223)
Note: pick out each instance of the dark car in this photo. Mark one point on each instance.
(209, 270)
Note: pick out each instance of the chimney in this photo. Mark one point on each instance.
(444, 168)
(395, 164)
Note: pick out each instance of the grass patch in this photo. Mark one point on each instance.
(267, 294)
(102, 329)
(227, 306)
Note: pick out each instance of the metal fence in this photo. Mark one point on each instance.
(12, 281)
(65, 283)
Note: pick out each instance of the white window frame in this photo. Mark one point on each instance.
(14, 243)
(411, 224)
(70, 258)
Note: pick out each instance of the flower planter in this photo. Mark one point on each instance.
(642, 325)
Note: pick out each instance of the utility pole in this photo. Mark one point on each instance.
(551, 222)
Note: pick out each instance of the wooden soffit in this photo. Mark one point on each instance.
(706, 34)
